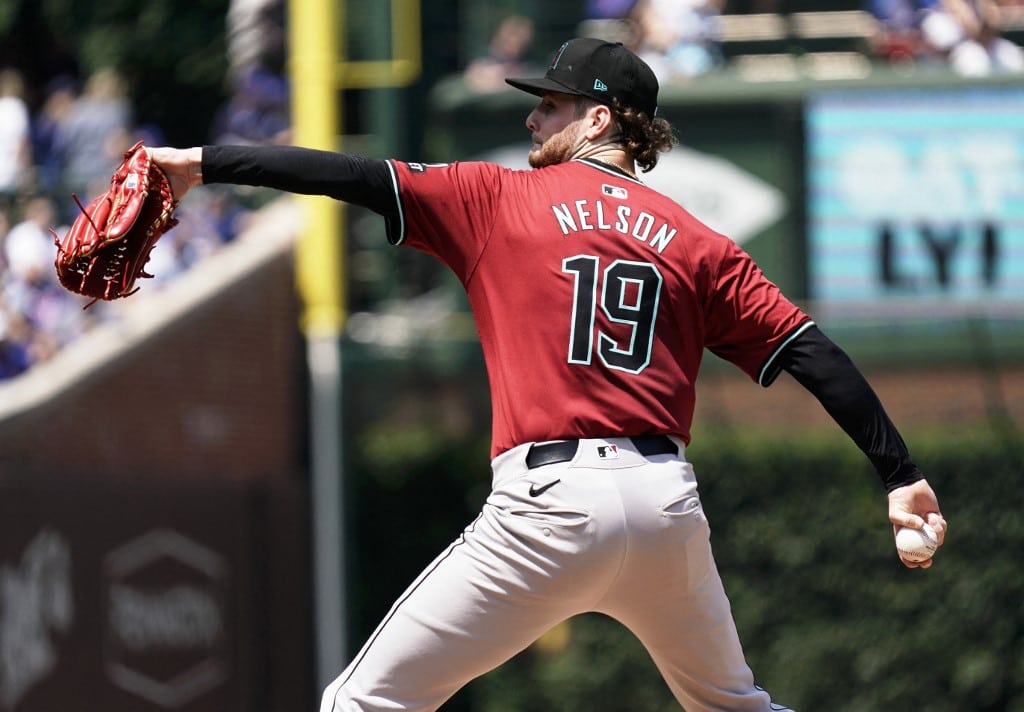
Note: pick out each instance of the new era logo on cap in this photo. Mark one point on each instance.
(600, 86)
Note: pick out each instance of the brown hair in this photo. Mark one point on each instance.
(644, 138)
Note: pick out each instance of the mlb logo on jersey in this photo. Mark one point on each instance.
(608, 452)
(614, 191)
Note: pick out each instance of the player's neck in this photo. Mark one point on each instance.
(609, 155)
(628, 170)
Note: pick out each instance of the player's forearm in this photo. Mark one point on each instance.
(827, 372)
(353, 179)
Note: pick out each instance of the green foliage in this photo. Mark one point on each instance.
(413, 490)
(8, 11)
(602, 667)
(172, 54)
(143, 35)
(829, 617)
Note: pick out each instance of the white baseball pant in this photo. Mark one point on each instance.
(612, 532)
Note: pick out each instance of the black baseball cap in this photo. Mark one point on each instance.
(601, 70)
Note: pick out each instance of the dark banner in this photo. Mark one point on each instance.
(131, 598)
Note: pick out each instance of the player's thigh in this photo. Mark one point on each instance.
(467, 613)
(686, 625)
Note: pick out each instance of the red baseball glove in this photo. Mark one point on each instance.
(108, 245)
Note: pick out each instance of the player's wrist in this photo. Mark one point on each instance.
(906, 473)
(195, 166)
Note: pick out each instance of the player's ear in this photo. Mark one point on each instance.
(600, 121)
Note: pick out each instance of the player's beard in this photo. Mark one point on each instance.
(559, 148)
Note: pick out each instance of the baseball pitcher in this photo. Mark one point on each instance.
(595, 298)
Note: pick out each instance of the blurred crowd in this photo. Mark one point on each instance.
(676, 37)
(681, 39)
(968, 36)
(65, 139)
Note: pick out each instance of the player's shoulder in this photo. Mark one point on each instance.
(472, 175)
(461, 167)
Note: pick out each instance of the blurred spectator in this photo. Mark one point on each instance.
(5, 227)
(256, 35)
(981, 49)
(199, 233)
(1012, 11)
(258, 107)
(505, 56)
(94, 134)
(58, 99)
(678, 37)
(15, 137)
(258, 110)
(71, 144)
(28, 246)
(14, 344)
(608, 9)
(149, 134)
(228, 216)
(30, 288)
(964, 35)
(900, 38)
(612, 21)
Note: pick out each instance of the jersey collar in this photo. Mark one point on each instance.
(608, 168)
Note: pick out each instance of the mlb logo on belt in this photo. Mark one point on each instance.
(609, 452)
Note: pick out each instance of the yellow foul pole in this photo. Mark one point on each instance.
(313, 31)
(318, 70)
(313, 39)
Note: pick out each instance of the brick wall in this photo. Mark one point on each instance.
(216, 394)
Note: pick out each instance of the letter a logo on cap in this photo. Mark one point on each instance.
(558, 56)
(600, 86)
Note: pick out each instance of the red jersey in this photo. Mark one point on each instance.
(594, 295)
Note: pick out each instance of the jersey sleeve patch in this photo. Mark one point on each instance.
(424, 167)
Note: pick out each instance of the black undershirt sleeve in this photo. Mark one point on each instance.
(366, 182)
(827, 372)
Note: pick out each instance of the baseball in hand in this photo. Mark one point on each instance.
(916, 544)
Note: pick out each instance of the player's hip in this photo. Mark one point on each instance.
(628, 483)
(601, 453)
(610, 509)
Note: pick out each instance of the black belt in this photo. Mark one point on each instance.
(565, 450)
